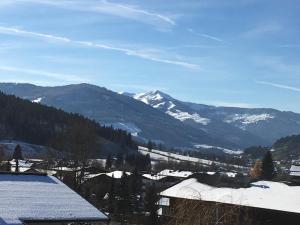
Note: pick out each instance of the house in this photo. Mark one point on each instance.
(23, 165)
(273, 202)
(295, 174)
(42, 199)
(165, 178)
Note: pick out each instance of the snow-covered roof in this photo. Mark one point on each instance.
(153, 177)
(117, 174)
(22, 163)
(295, 170)
(262, 194)
(36, 197)
(175, 173)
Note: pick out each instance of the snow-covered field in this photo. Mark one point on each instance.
(225, 150)
(248, 118)
(157, 155)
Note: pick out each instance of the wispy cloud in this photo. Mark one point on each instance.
(262, 29)
(281, 86)
(207, 36)
(142, 53)
(289, 46)
(57, 76)
(138, 87)
(133, 12)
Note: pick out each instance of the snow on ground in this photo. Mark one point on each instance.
(183, 116)
(157, 99)
(175, 173)
(38, 100)
(28, 150)
(262, 194)
(295, 171)
(157, 155)
(153, 177)
(158, 105)
(129, 127)
(248, 118)
(225, 150)
(115, 174)
(149, 97)
(35, 197)
(22, 163)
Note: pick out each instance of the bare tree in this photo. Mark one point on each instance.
(191, 212)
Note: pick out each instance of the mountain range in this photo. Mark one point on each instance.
(157, 116)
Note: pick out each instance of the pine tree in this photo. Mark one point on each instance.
(268, 169)
(17, 155)
(120, 161)
(135, 186)
(108, 163)
(124, 197)
(2, 153)
(151, 207)
(111, 196)
(150, 145)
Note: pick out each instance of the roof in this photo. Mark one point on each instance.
(295, 170)
(153, 177)
(115, 174)
(175, 173)
(261, 194)
(42, 198)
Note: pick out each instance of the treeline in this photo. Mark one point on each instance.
(25, 121)
(286, 148)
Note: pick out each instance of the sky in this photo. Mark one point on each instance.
(243, 53)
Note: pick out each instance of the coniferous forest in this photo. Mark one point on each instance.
(33, 123)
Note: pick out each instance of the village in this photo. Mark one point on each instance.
(110, 191)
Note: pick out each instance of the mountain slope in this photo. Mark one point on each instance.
(244, 127)
(107, 107)
(24, 121)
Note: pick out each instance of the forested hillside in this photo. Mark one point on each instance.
(69, 133)
(287, 147)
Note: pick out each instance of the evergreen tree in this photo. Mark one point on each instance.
(8, 166)
(108, 163)
(150, 145)
(17, 155)
(268, 169)
(2, 153)
(135, 186)
(111, 196)
(120, 161)
(124, 206)
(151, 207)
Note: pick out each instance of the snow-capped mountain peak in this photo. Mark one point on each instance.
(169, 105)
(152, 97)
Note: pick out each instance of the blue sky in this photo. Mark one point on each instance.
(222, 52)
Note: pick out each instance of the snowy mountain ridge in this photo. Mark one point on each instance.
(158, 99)
(163, 119)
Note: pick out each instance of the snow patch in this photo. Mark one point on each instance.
(129, 127)
(248, 118)
(149, 97)
(225, 150)
(183, 116)
(38, 100)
